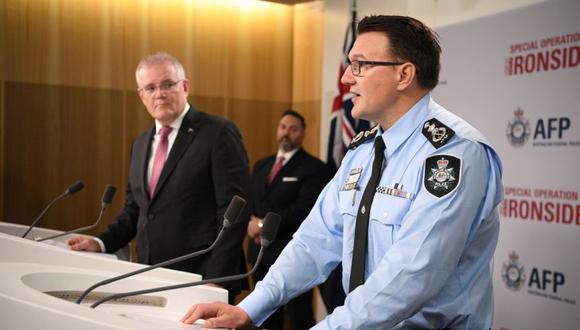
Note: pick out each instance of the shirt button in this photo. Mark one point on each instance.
(363, 210)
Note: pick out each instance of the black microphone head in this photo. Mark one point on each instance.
(270, 228)
(108, 195)
(234, 210)
(76, 187)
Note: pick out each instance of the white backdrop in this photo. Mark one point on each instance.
(516, 77)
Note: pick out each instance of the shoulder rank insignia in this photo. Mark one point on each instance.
(437, 133)
(442, 174)
(362, 137)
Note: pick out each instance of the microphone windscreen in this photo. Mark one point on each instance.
(76, 187)
(234, 209)
(108, 195)
(270, 228)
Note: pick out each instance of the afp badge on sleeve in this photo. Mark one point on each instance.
(442, 174)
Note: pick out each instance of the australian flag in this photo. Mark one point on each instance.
(343, 127)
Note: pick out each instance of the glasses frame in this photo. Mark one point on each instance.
(358, 64)
(165, 86)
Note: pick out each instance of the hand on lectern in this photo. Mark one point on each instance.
(83, 243)
(218, 315)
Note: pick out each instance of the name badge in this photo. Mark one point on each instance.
(289, 179)
(352, 180)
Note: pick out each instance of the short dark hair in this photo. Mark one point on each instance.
(293, 113)
(410, 41)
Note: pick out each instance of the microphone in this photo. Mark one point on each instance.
(108, 195)
(76, 187)
(232, 213)
(267, 236)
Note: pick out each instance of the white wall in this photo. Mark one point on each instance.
(434, 13)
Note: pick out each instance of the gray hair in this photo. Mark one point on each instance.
(159, 58)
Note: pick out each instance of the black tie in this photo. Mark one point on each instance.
(357, 274)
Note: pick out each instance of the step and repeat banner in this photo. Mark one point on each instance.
(516, 77)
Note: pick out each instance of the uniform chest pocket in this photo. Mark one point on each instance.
(389, 210)
(346, 206)
(387, 213)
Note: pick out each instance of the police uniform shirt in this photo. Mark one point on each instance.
(432, 232)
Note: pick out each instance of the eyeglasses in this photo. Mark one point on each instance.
(165, 86)
(356, 66)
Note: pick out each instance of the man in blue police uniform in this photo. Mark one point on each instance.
(411, 213)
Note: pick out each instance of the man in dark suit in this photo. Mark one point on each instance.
(183, 173)
(287, 183)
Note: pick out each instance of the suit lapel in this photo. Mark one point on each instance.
(265, 174)
(187, 131)
(141, 152)
(292, 163)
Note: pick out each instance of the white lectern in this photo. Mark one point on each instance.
(35, 278)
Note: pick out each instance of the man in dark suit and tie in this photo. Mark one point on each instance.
(287, 183)
(183, 173)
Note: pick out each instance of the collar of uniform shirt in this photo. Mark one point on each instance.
(287, 155)
(175, 124)
(411, 122)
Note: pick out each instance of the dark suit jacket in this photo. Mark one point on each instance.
(205, 168)
(291, 194)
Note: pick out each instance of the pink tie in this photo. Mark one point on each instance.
(276, 169)
(160, 156)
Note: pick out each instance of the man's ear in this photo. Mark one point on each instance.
(186, 85)
(407, 73)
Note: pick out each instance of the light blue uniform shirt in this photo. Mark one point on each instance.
(429, 259)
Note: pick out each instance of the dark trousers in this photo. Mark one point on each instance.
(298, 311)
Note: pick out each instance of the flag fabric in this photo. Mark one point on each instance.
(343, 127)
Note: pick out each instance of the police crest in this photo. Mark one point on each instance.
(512, 273)
(442, 174)
(518, 129)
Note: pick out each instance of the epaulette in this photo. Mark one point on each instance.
(437, 133)
(362, 137)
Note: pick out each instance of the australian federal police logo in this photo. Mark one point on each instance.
(512, 273)
(442, 174)
(518, 129)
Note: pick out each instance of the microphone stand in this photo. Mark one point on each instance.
(267, 236)
(64, 194)
(232, 213)
(142, 270)
(77, 186)
(106, 201)
(78, 230)
(183, 285)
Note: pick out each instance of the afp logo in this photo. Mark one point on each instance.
(545, 280)
(518, 129)
(546, 131)
(512, 272)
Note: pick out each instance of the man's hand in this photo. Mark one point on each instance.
(254, 229)
(82, 243)
(217, 315)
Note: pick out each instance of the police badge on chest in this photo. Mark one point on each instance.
(352, 182)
